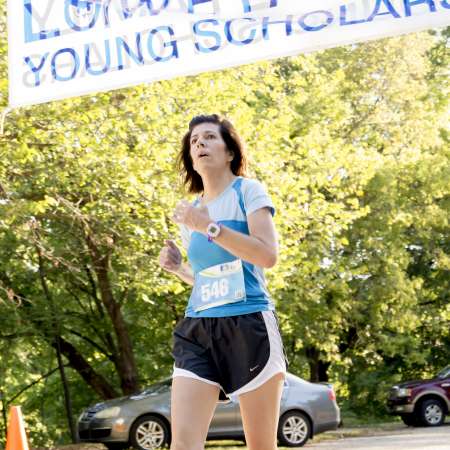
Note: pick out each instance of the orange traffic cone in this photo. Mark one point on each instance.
(16, 438)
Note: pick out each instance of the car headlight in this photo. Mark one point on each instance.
(108, 413)
(404, 392)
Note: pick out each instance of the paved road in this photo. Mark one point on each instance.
(408, 439)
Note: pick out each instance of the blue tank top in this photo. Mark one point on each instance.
(231, 208)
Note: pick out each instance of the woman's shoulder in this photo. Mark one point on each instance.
(252, 184)
(247, 181)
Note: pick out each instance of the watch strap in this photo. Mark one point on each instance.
(213, 230)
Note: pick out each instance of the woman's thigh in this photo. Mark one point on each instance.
(193, 405)
(260, 410)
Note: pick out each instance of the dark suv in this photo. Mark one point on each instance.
(422, 402)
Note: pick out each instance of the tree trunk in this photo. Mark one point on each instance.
(5, 421)
(67, 397)
(126, 363)
(318, 369)
(79, 363)
(348, 340)
(57, 331)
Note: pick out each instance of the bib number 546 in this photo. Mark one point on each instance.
(217, 289)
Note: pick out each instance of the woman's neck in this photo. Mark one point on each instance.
(214, 185)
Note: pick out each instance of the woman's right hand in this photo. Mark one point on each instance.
(170, 257)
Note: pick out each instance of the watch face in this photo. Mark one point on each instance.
(213, 230)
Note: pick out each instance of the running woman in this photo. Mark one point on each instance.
(229, 339)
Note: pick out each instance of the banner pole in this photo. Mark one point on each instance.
(3, 118)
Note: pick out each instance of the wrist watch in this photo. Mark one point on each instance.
(212, 230)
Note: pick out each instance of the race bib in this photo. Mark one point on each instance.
(218, 285)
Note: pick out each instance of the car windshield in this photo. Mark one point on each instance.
(444, 373)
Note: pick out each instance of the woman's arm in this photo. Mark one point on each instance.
(185, 273)
(260, 248)
(170, 259)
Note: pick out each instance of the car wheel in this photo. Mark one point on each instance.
(409, 419)
(149, 432)
(294, 429)
(431, 413)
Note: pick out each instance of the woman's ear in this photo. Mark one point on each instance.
(231, 153)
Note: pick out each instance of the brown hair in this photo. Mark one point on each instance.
(238, 165)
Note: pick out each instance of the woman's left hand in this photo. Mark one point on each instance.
(196, 219)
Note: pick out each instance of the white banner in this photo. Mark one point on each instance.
(63, 48)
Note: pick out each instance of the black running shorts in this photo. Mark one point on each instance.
(236, 353)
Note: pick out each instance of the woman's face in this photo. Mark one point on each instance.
(208, 150)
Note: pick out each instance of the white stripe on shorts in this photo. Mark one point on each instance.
(276, 363)
(177, 372)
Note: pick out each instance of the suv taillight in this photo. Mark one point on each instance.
(331, 395)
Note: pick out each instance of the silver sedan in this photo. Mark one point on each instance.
(143, 420)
